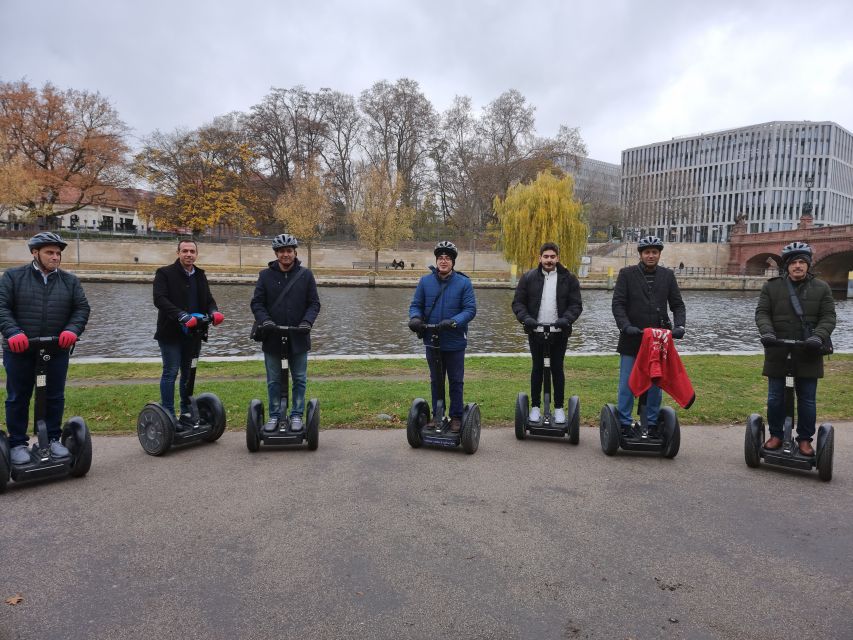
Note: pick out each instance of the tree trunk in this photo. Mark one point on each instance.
(309, 255)
(376, 261)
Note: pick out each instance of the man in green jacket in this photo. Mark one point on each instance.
(776, 319)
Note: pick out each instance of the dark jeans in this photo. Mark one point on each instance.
(806, 390)
(176, 356)
(20, 380)
(298, 372)
(454, 368)
(556, 351)
(625, 398)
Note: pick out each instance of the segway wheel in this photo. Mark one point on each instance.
(254, 424)
(155, 429)
(211, 411)
(825, 450)
(418, 417)
(608, 430)
(312, 431)
(471, 428)
(5, 464)
(522, 406)
(672, 432)
(574, 416)
(752, 439)
(78, 440)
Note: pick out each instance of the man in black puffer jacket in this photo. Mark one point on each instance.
(39, 300)
(286, 294)
(640, 299)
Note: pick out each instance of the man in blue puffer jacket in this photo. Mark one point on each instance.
(445, 297)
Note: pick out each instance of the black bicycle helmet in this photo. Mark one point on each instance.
(797, 249)
(445, 247)
(284, 240)
(46, 239)
(649, 242)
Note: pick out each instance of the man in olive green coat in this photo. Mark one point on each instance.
(776, 319)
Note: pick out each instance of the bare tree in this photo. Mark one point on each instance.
(343, 127)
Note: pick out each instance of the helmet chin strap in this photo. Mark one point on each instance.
(41, 264)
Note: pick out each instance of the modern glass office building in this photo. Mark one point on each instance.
(694, 188)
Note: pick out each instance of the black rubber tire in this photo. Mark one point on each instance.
(211, 411)
(471, 428)
(76, 436)
(155, 429)
(752, 440)
(522, 406)
(671, 431)
(254, 424)
(608, 430)
(418, 417)
(5, 462)
(574, 417)
(312, 429)
(825, 452)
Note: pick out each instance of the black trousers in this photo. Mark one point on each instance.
(557, 352)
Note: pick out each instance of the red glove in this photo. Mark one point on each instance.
(189, 321)
(217, 318)
(67, 339)
(18, 343)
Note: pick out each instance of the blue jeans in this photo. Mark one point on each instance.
(806, 390)
(298, 372)
(625, 401)
(20, 380)
(454, 369)
(176, 356)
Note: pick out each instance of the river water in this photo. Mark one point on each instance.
(361, 321)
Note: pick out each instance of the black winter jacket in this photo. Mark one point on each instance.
(28, 304)
(633, 304)
(171, 297)
(528, 295)
(301, 304)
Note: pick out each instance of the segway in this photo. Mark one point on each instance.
(418, 431)
(159, 430)
(546, 426)
(75, 435)
(283, 434)
(788, 455)
(665, 439)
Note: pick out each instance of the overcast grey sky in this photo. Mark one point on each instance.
(626, 73)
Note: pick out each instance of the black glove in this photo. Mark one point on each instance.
(562, 323)
(446, 324)
(530, 324)
(631, 330)
(305, 326)
(266, 327)
(768, 339)
(678, 333)
(416, 325)
(814, 342)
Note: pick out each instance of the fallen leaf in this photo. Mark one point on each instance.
(15, 599)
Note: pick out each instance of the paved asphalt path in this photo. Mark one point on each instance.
(368, 538)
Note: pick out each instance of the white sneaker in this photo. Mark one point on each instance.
(535, 415)
(296, 423)
(560, 415)
(20, 454)
(58, 450)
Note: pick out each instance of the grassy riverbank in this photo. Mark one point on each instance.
(354, 393)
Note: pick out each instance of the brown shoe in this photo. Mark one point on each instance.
(806, 448)
(773, 443)
(456, 425)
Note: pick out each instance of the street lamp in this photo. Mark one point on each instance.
(718, 231)
(807, 205)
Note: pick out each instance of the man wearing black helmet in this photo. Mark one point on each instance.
(180, 290)
(286, 294)
(640, 299)
(39, 300)
(446, 297)
(777, 319)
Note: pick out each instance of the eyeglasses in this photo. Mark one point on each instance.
(445, 258)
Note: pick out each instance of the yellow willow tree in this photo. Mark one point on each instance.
(544, 210)
(381, 220)
(304, 208)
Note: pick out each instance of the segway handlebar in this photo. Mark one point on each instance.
(782, 342)
(435, 327)
(282, 328)
(552, 328)
(41, 341)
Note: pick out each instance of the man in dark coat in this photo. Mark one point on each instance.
(39, 300)
(180, 290)
(776, 319)
(286, 294)
(548, 294)
(640, 299)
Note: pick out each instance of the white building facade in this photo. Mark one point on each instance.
(694, 188)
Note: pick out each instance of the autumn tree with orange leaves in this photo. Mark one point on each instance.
(70, 144)
(304, 208)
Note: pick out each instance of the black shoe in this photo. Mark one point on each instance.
(185, 422)
(627, 430)
(653, 431)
